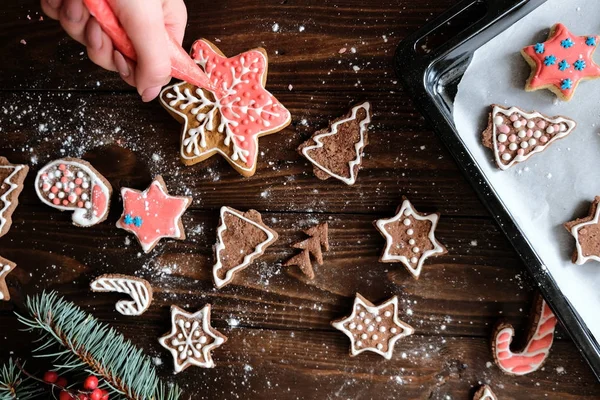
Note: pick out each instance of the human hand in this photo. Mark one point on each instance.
(146, 22)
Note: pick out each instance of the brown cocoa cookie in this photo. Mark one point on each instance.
(6, 267)
(410, 238)
(12, 177)
(515, 135)
(139, 289)
(586, 232)
(338, 151)
(485, 393)
(373, 328)
(241, 238)
(319, 238)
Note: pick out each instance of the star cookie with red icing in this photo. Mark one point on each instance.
(562, 62)
(153, 214)
(373, 328)
(230, 120)
(586, 232)
(6, 267)
(410, 238)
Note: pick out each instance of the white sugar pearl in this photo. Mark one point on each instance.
(411, 242)
(522, 134)
(359, 327)
(532, 142)
(180, 348)
(414, 260)
(550, 129)
(415, 249)
(84, 196)
(378, 319)
(88, 205)
(382, 329)
(498, 120)
(393, 330)
(197, 333)
(58, 185)
(364, 336)
(189, 353)
(362, 314)
(57, 173)
(387, 314)
(371, 328)
(352, 325)
(51, 196)
(80, 174)
(517, 124)
(203, 339)
(524, 145)
(506, 156)
(407, 212)
(367, 321)
(358, 344)
(61, 195)
(187, 324)
(379, 346)
(374, 337)
(563, 127)
(180, 336)
(410, 232)
(513, 146)
(530, 124)
(537, 134)
(85, 185)
(407, 222)
(502, 138)
(198, 346)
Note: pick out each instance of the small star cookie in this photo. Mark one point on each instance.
(485, 393)
(153, 214)
(586, 232)
(6, 267)
(373, 328)
(561, 62)
(410, 238)
(192, 338)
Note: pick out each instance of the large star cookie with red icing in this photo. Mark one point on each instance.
(230, 120)
(586, 232)
(153, 214)
(561, 62)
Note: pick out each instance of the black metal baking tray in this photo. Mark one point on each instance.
(431, 73)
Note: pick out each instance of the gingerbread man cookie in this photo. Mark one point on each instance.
(586, 232)
(230, 120)
(12, 177)
(139, 289)
(6, 267)
(153, 214)
(373, 328)
(71, 184)
(410, 238)
(515, 135)
(562, 62)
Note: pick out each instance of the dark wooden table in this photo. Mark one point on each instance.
(54, 102)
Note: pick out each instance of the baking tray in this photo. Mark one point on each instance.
(430, 64)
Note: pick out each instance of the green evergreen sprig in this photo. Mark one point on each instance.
(15, 385)
(94, 347)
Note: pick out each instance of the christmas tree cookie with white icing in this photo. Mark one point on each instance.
(12, 177)
(515, 135)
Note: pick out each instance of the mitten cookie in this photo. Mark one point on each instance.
(71, 184)
(12, 177)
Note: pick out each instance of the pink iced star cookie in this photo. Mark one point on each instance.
(229, 120)
(561, 62)
(153, 214)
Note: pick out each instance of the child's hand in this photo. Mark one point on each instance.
(146, 23)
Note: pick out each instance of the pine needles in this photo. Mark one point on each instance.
(14, 385)
(94, 347)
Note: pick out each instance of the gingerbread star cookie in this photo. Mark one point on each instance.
(12, 177)
(241, 238)
(338, 151)
(373, 328)
(515, 135)
(230, 120)
(192, 338)
(562, 62)
(6, 267)
(153, 214)
(485, 393)
(586, 232)
(138, 289)
(410, 238)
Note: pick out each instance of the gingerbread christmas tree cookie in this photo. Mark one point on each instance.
(229, 120)
(318, 240)
(485, 393)
(560, 63)
(373, 328)
(410, 238)
(12, 177)
(6, 267)
(192, 338)
(138, 289)
(586, 232)
(515, 135)
(338, 151)
(153, 214)
(241, 238)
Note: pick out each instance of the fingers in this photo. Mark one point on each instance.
(51, 8)
(144, 23)
(73, 18)
(125, 68)
(99, 46)
(175, 15)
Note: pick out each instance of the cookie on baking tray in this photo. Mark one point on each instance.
(230, 120)
(410, 238)
(12, 177)
(71, 184)
(485, 393)
(560, 63)
(586, 232)
(337, 151)
(515, 135)
(137, 288)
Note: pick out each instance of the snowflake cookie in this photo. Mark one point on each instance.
(12, 177)
(485, 393)
(241, 238)
(561, 62)
(139, 289)
(586, 232)
(153, 214)
(373, 328)
(338, 150)
(230, 120)
(539, 341)
(410, 238)
(192, 338)
(71, 184)
(6, 267)
(515, 135)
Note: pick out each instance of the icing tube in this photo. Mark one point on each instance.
(182, 65)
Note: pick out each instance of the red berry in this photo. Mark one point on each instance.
(90, 383)
(82, 396)
(50, 377)
(61, 382)
(65, 396)
(96, 394)
(105, 395)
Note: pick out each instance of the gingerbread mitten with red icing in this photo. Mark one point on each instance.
(71, 184)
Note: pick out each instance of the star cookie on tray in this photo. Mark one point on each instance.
(586, 232)
(230, 120)
(410, 238)
(373, 328)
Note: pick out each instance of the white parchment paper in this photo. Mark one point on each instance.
(558, 184)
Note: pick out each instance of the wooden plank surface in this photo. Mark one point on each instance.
(54, 102)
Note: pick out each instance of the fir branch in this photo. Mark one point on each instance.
(95, 347)
(13, 385)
